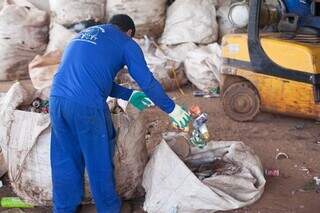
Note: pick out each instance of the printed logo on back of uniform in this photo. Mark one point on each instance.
(90, 35)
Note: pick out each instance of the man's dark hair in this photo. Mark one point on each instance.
(124, 22)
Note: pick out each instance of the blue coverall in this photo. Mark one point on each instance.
(82, 130)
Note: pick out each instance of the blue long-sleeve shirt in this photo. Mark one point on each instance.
(91, 62)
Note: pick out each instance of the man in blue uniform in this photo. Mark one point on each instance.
(82, 130)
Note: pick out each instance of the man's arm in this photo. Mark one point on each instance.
(140, 72)
(121, 92)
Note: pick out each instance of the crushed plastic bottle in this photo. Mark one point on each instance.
(200, 133)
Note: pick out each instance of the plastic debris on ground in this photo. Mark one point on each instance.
(312, 185)
(272, 172)
(282, 155)
(14, 202)
(1, 184)
(213, 93)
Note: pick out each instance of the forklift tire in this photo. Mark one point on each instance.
(241, 101)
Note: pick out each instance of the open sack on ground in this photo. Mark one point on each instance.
(23, 35)
(25, 141)
(172, 187)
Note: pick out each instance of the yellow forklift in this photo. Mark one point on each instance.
(276, 72)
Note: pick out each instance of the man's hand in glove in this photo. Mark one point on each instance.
(180, 118)
(140, 101)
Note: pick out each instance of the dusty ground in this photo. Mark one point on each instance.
(267, 135)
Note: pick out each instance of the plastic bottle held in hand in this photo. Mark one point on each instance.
(199, 122)
(14, 202)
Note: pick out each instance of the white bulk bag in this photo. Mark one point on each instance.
(148, 15)
(25, 142)
(67, 12)
(225, 26)
(23, 35)
(190, 21)
(172, 187)
(59, 37)
(202, 66)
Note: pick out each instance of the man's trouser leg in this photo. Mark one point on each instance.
(94, 135)
(66, 161)
(96, 141)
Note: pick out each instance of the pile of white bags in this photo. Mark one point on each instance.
(172, 187)
(190, 21)
(25, 142)
(202, 66)
(68, 12)
(23, 35)
(148, 15)
(166, 64)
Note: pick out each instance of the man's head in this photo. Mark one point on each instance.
(125, 23)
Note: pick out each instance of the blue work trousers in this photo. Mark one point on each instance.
(82, 137)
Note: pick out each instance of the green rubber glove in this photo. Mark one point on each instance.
(140, 101)
(180, 118)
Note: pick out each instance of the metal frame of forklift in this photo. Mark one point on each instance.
(261, 63)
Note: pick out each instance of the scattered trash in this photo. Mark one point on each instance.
(272, 172)
(14, 202)
(282, 155)
(200, 133)
(310, 186)
(1, 184)
(305, 169)
(200, 93)
(317, 180)
(317, 142)
(38, 105)
(299, 126)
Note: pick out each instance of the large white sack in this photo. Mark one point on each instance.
(148, 15)
(25, 140)
(41, 4)
(68, 12)
(225, 26)
(23, 35)
(190, 21)
(59, 37)
(172, 187)
(202, 66)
